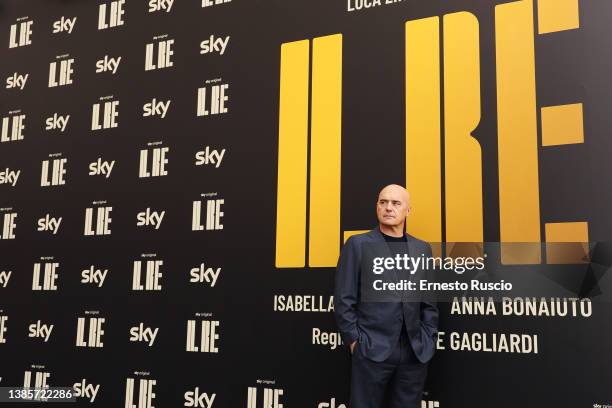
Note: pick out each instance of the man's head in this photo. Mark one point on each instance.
(393, 205)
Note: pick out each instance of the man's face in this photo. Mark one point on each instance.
(392, 206)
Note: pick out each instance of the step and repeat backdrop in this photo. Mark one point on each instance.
(177, 178)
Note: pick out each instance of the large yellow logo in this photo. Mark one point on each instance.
(310, 128)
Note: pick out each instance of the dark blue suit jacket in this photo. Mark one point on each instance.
(377, 325)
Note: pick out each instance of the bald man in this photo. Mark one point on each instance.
(391, 343)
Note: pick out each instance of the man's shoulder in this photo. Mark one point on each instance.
(355, 241)
(371, 235)
(361, 237)
(414, 239)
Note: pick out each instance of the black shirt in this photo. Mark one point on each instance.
(389, 238)
(395, 249)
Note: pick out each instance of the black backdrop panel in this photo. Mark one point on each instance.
(247, 350)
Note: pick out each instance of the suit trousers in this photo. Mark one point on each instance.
(396, 382)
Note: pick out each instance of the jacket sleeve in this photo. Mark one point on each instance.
(429, 307)
(346, 292)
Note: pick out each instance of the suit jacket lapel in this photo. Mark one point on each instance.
(409, 246)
